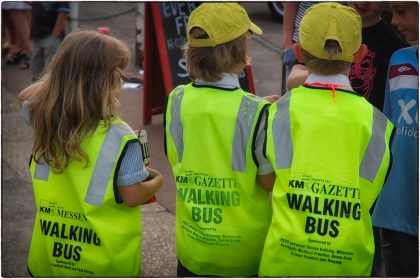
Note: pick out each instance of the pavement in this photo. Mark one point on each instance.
(18, 206)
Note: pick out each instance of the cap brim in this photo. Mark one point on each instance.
(255, 29)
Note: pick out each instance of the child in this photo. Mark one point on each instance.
(222, 214)
(86, 165)
(329, 149)
(368, 76)
(396, 210)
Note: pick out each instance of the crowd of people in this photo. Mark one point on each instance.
(319, 180)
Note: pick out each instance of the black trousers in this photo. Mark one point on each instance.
(182, 271)
(378, 258)
(400, 254)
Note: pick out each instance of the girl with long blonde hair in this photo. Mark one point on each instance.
(87, 168)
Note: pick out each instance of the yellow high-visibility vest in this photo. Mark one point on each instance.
(222, 214)
(80, 229)
(330, 157)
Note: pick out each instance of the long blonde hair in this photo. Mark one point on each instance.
(82, 87)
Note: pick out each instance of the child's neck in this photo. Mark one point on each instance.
(345, 73)
(369, 22)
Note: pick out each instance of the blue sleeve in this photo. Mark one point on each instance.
(132, 169)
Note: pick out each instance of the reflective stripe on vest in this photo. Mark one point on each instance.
(103, 168)
(244, 121)
(282, 134)
(371, 161)
(42, 171)
(175, 127)
(105, 162)
(283, 140)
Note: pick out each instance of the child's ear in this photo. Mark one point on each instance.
(360, 54)
(297, 50)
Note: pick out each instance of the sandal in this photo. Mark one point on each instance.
(6, 47)
(13, 58)
(24, 62)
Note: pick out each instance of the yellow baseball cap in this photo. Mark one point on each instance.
(223, 22)
(331, 21)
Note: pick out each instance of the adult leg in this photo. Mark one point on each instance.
(23, 29)
(21, 23)
(37, 59)
(12, 56)
(5, 32)
(51, 45)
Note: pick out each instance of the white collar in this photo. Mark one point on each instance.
(228, 81)
(339, 79)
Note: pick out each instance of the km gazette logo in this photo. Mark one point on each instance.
(51, 208)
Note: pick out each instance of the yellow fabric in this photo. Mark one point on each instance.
(331, 21)
(223, 22)
(74, 238)
(321, 223)
(222, 216)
